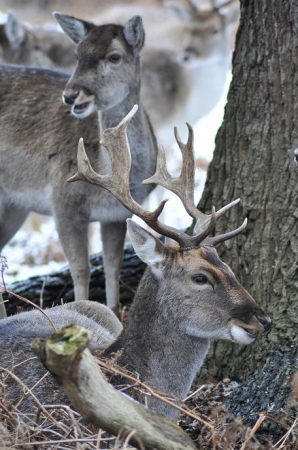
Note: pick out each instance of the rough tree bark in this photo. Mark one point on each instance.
(254, 160)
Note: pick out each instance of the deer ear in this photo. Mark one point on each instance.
(149, 249)
(14, 29)
(134, 33)
(76, 29)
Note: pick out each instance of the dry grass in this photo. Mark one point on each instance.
(203, 417)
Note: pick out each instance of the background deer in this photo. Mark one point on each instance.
(38, 46)
(186, 59)
(39, 141)
(186, 297)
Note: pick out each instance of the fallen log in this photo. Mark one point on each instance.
(65, 354)
(57, 286)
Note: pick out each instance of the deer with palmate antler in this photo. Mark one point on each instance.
(186, 297)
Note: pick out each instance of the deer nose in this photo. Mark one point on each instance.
(266, 322)
(69, 99)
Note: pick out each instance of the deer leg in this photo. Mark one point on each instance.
(73, 234)
(113, 236)
(12, 218)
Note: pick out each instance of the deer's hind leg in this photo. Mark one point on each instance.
(12, 218)
(113, 236)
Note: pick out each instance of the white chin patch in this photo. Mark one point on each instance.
(241, 336)
(82, 111)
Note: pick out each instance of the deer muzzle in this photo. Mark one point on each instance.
(82, 103)
(245, 332)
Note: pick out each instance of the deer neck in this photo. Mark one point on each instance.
(112, 117)
(153, 346)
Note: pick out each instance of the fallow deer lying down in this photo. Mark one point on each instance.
(39, 139)
(186, 298)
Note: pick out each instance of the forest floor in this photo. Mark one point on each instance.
(205, 420)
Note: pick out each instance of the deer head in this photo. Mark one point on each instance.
(105, 72)
(207, 31)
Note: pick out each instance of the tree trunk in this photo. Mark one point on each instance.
(58, 285)
(254, 160)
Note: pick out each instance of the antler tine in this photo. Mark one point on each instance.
(182, 186)
(118, 158)
(224, 237)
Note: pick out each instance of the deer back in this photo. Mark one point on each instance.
(18, 332)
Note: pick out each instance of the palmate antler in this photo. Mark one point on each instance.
(117, 183)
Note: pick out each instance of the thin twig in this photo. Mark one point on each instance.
(282, 441)
(30, 390)
(194, 393)
(69, 411)
(257, 425)
(30, 303)
(55, 442)
(18, 381)
(161, 397)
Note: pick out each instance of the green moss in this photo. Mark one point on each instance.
(68, 340)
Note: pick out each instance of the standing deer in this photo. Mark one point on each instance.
(186, 298)
(39, 139)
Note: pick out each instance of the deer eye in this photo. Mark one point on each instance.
(115, 58)
(200, 279)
